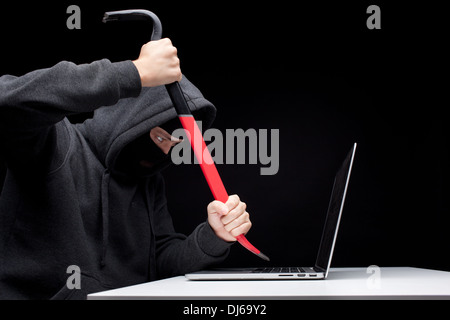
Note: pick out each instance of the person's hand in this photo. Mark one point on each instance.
(158, 63)
(229, 220)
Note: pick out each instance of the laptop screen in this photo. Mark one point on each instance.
(334, 212)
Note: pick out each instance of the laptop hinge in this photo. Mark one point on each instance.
(319, 269)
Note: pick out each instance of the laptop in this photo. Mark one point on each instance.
(326, 248)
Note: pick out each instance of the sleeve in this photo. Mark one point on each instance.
(177, 254)
(32, 104)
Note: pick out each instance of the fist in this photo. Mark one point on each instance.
(158, 63)
(230, 219)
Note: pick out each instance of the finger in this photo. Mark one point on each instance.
(235, 213)
(217, 207)
(166, 40)
(242, 219)
(242, 229)
(176, 62)
(232, 202)
(176, 75)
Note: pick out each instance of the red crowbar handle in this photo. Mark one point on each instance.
(210, 171)
(187, 120)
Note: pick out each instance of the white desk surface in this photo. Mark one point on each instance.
(342, 283)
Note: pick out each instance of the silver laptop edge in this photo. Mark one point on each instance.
(340, 210)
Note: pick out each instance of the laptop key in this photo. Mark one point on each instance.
(281, 270)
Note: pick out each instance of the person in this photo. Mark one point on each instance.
(91, 194)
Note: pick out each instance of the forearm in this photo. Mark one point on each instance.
(176, 256)
(31, 105)
(44, 97)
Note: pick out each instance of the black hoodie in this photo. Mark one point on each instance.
(66, 201)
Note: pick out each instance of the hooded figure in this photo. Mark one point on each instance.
(73, 195)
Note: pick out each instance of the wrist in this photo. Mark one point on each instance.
(221, 234)
(140, 71)
(128, 79)
(210, 242)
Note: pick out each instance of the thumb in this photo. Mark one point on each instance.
(217, 207)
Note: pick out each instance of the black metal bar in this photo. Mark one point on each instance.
(174, 89)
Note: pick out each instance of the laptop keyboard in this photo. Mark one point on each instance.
(280, 270)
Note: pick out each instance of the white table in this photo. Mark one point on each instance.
(342, 283)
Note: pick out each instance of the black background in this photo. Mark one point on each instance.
(315, 72)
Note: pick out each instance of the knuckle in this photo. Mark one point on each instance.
(212, 206)
(177, 75)
(235, 233)
(234, 200)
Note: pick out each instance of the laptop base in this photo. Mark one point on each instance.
(289, 273)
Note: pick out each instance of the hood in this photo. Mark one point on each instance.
(113, 128)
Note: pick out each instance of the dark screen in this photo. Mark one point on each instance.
(334, 212)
